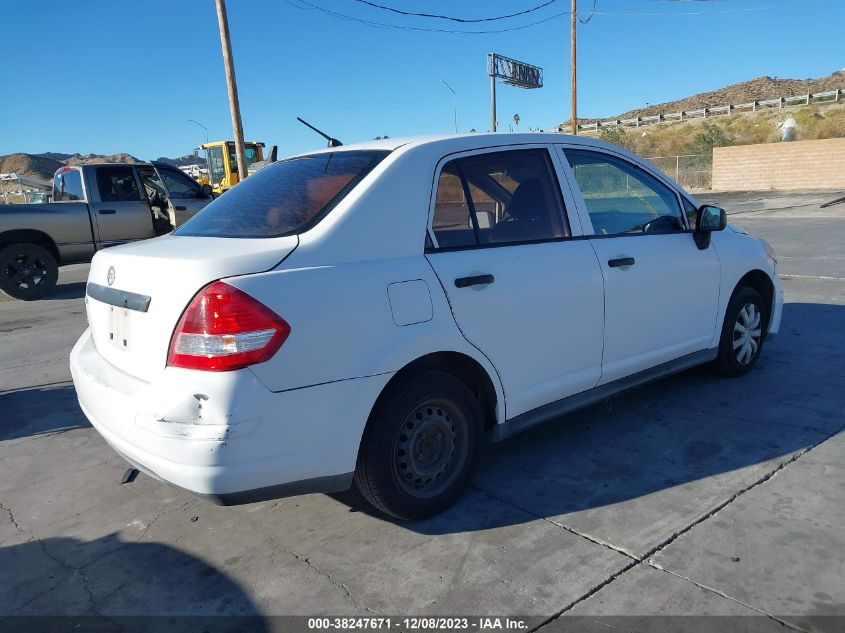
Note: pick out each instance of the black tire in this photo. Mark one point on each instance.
(27, 271)
(426, 417)
(738, 351)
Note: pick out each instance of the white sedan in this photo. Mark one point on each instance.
(369, 314)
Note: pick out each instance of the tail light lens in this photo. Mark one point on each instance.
(223, 329)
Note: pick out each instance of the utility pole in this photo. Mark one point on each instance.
(573, 82)
(232, 86)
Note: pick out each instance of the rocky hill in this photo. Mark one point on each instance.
(43, 166)
(29, 165)
(757, 89)
(182, 161)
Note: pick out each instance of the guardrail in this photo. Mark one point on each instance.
(832, 96)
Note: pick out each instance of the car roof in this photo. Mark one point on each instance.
(106, 164)
(448, 143)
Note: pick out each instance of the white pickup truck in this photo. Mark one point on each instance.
(94, 206)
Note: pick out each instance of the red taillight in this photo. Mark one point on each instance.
(224, 328)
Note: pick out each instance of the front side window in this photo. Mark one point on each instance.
(498, 198)
(178, 185)
(285, 198)
(117, 184)
(67, 185)
(621, 198)
(692, 213)
(151, 182)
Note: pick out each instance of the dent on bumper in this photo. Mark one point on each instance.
(238, 442)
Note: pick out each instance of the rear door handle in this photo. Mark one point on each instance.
(475, 280)
(621, 261)
(181, 208)
(107, 211)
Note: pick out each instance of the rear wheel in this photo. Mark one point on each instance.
(420, 447)
(27, 271)
(743, 333)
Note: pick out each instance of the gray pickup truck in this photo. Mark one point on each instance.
(94, 206)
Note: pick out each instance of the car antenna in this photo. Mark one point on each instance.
(333, 142)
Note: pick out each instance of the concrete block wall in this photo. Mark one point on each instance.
(780, 166)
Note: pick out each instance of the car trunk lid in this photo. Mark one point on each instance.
(137, 292)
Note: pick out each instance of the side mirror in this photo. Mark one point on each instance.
(206, 190)
(709, 219)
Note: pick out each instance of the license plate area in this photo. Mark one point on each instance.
(119, 327)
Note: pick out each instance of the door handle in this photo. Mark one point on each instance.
(476, 280)
(107, 212)
(621, 261)
(181, 208)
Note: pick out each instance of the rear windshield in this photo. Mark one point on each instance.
(284, 198)
(67, 185)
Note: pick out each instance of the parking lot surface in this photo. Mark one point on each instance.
(696, 495)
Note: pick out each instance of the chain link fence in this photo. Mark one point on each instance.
(691, 171)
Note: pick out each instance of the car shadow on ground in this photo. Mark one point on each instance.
(682, 429)
(70, 290)
(671, 433)
(81, 584)
(39, 410)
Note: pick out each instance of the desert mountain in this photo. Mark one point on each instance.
(757, 89)
(43, 166)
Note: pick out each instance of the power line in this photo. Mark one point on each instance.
(589, 17)
(452, 18)
(373, 24)
(419, 28)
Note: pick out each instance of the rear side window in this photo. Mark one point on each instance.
(67, 186)
(284, 198)
(117, 184)
(498, 198)
(452, 223)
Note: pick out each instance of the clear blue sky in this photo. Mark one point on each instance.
(108, 76)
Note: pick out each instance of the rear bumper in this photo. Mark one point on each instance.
(223, 435)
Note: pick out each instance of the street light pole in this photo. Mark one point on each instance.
(232, 86)
(572, 80)
(203, 127)
(454, 103)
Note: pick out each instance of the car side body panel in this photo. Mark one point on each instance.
(346, 330)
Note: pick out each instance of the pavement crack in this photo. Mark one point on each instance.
(593, 539)
(722, 594)
(304, 559)
(646, 558)
(86, 585)
(154, 520)
(12, 519)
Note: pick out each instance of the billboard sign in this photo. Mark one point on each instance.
(513, 72)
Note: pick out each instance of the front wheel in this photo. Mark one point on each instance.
(27, 271)
(743, 333)
(420, 447)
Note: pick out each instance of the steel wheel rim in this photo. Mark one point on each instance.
(26, 271)
(747, 334)
(430, 449)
